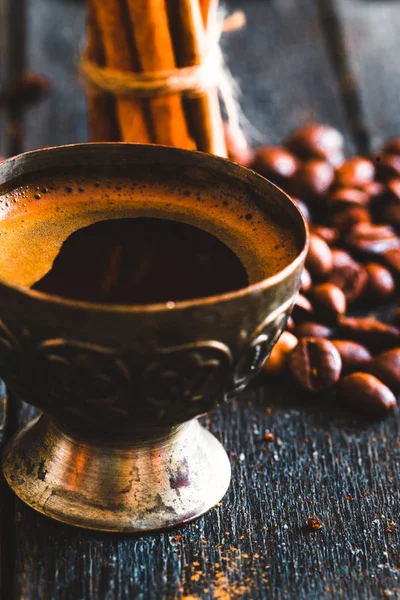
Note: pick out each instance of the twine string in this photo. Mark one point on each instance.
(184, 80)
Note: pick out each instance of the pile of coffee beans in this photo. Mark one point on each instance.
(352, 207)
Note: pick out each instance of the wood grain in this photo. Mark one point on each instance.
(12, 28)
(348, 84)
(4, 19)
(6, 505)
(12, 64)
(281, 63)
(371, 31)
(256, 544)
(55, 40)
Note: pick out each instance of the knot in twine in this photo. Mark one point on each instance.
(212, 72)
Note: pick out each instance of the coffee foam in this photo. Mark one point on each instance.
(35, 219)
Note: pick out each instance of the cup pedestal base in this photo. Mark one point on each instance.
(128, 487)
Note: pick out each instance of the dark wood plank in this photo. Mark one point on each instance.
(336, 44)
(283, 68)
(11, 66)
(15, 65)
(4, 20)
(6, 504)
(55, 41)
(371, 30)
(256, 543)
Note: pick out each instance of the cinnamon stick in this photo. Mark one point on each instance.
(119, 54)
(204, 110)
(103, 126)
(207, 7)
(153, 42)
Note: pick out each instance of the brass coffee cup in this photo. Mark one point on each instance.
(118, 446)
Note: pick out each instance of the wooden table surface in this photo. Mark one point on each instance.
(335, 61)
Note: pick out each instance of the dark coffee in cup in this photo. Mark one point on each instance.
(130, 238)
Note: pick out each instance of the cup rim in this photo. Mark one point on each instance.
(254, 288)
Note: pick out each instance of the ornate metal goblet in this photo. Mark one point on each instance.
(118, 446)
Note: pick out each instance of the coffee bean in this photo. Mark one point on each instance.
(329, 301)
(368, 331)
(351, 279)
(314, 330)
(306, 281)
(237, 147)
(355, 172)
(302, 309)
(315, 364)
(277, 359)
(290, 324)
(275, 163)
(391, 258)
(366, 394)
(26, 90)
(386, 367)
(328, 234)
(392, 145)
(391, 213)
(393, 189)
(387, 166)
(380, 283)
(341, 258)
(374, 189)
(344, 219)
(353, 355)
(373, 240)
(346, 196)
(336, 159)
(302, 206)
(319, 257)
(312, 180)
(317, 141)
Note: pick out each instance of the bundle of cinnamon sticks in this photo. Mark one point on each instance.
(152, 36)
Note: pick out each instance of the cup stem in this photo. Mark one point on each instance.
(126, 487)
